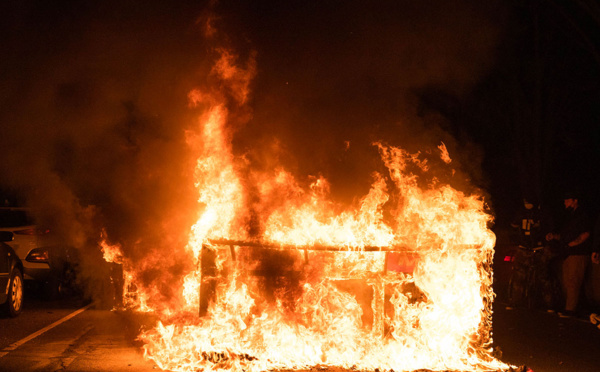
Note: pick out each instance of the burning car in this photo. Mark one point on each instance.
(11, 277)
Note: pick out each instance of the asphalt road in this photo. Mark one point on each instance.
(71, 336)
(545, 342)
(42, 339)
(540, 340)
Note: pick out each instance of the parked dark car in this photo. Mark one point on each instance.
(46, 263)
(11, 277)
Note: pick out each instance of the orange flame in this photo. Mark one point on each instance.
(436, 317)
(289, 279)
(132, 299)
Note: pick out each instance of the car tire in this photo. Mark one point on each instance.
(14, 301)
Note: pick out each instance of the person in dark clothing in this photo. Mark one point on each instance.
(595, 317)
(574, 243)
(533, 281)
(596, 242)
(527, 225)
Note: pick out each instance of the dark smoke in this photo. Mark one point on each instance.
(93, 110)
(337, 73)
(93, 104)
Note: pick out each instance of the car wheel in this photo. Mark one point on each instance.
(14, 302)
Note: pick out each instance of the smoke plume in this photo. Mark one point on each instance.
(94, 104)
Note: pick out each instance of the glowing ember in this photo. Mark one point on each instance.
(288, 279)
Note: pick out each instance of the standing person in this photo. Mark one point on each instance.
(527, 225)
(574, 241)
(595, 317)
(532, 257)
(596, 242)
(525, 236)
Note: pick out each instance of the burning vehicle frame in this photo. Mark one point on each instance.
(211, 275)
(437, 316)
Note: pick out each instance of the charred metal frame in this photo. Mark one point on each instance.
(209, 272)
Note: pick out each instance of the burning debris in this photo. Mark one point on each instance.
(276, 273)
(286, 278)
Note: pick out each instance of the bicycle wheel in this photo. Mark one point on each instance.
(531, 290)
(515, 290)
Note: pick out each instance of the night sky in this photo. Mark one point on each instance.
(93, 98)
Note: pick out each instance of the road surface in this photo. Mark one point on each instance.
(82, 339)
(74, 336)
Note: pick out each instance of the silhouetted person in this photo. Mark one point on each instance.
(595, 317)
(531, 259)
(527, 225)
(574, 243)
(596, 242)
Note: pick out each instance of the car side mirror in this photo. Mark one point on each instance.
(6, 236)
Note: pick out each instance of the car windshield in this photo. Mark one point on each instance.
(14, 218)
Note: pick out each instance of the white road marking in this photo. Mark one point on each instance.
(15, 345)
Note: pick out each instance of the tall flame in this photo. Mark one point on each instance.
(287, 278)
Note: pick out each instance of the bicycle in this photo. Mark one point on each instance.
(525, 285)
